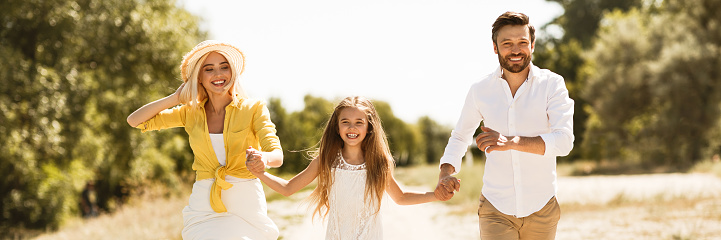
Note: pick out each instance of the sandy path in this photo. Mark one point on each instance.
(423, 221)
(604, 189)
(654, 206)
(628, 220)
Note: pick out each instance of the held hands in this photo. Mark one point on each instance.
(490, 140)
(446, 188)
(254, 161)
(447, 184)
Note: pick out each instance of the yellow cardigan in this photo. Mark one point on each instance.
(247, 123)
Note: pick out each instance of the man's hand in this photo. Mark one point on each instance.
(490, 140)
(447, 184)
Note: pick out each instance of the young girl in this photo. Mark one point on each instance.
(354, 167)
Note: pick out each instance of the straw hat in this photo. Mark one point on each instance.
(233, 54)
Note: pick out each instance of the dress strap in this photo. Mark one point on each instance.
(342, 164)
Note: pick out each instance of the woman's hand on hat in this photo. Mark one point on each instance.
(177, 92)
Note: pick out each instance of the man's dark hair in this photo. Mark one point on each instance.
(512, 18)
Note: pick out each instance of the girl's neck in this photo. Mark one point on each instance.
(353, 155)
(217, 103)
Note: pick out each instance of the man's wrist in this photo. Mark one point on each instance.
(514, 142)
(447, 169)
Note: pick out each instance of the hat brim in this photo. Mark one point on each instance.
(234, 56)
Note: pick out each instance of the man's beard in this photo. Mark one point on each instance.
(514, 68)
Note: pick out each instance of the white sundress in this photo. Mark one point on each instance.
(351, 216)
(247, 215)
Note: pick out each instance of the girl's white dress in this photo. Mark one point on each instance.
(351, 216)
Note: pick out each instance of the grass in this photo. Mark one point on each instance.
(711, 166)
(143, 218)
(605, 167)
(427, 176)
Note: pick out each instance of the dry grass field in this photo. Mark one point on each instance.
(646, 206)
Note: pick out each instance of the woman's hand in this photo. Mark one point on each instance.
(177, 92)
(149, 111)
(254, 161)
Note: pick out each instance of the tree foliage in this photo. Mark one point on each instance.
(654, 84)
(434, 138)
(70, 73)
(403, 140)
(300, 133)
(564, 54)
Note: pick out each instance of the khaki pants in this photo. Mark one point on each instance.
(495, 225)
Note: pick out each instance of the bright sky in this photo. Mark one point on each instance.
(421, 56)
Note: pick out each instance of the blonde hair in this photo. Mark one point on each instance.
(193, 92)
(375, 149)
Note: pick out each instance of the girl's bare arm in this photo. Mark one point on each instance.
(402, 197)
(288, 187)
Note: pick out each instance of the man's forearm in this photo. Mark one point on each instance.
(534, 145)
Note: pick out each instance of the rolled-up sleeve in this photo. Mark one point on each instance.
(168, 118)
(559, 141)
(264, 128)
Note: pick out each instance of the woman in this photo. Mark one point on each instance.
(227, 201)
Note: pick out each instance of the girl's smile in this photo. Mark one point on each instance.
(352, 126)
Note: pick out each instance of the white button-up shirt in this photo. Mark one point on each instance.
(517, 183)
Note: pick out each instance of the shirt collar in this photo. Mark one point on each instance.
(531, 74)
(235, 103)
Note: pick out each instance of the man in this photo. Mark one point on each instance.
(528, 121)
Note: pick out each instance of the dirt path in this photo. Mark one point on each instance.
(423, 221)
(604, 189)
(654, 206)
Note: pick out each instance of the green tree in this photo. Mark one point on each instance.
(70, 73)
(434, 138)
(564, 54)
(402, 139)
(300, 131)
(654, 84)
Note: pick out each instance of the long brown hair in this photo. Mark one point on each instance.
(375, 149)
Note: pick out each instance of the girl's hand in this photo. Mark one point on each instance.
(254, 161)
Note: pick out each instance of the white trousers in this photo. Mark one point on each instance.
(247, 216)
